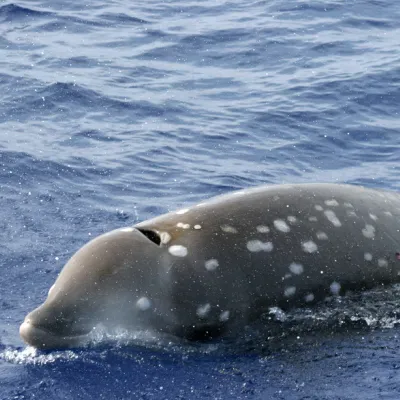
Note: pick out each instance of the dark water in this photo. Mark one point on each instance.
(114, 112)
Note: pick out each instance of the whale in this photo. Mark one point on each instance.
(209, 270)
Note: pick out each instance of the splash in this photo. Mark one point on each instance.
(32, 356)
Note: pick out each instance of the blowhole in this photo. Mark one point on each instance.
(151, 235)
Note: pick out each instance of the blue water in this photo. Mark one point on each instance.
(115, 112)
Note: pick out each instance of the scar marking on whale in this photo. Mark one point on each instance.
(262, 229)
(321, 235)
(335, 288)
(290, 291)
(309, 246)
(183, 225)
(367, 256)
(228, 229)
(143, 304)
(382, 262)
(178, 250)
(309, 297)
(203, 310)
(331, 216)
(257, 245)
(368, 231)
(211, 265)
(165, 237)
(331, 203)
(224, 316)
(373, 217)
(296, 268)
(281, 225)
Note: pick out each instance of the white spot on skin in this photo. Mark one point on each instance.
(224, 316)
(197, 227)
(331, 216)
(165, 237)
(313, 219)
(318, 207)
(321, 235)
(127, 229)
(203, 310)
(228, 229)
(290, 291)
(368, 231)
(292, 219)
(183, 211)
(309, 298)
(331, 203)
(258, 245)
(348, 205)
(262, 229)
(367, 256)
(183, 225)
(296, 268)
(178, 250)
(388, 213)
(351, 213)
(143, 304)
(335, 288)
(373, 217)
(382, 262)
(309, 246)
(281, 225)
(212, 264)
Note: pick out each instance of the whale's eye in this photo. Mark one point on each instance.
(151, 235)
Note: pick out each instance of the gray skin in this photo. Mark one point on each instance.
(211, 269)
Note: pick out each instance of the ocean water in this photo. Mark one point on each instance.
(112, 112)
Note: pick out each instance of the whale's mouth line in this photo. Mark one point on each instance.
(43, 338)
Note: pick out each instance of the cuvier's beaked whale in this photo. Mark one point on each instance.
(212, 268)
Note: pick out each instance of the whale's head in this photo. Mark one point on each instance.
(112, 280)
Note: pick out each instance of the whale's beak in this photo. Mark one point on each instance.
(34, 336)
(41, 338)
